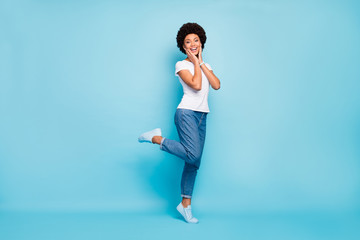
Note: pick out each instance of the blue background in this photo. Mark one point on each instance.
(81, 80)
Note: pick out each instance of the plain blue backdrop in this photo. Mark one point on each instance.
(81, 80)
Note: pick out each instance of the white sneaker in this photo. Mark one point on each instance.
(186, 213)
(147, 137)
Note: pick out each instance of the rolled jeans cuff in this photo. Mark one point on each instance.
(185, 196)
(161, 143)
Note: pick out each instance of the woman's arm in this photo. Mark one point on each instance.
(213, 80)
(192, 81)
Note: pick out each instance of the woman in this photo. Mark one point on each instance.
(196, 77)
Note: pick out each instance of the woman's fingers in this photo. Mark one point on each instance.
(191, 56)
(189, 53)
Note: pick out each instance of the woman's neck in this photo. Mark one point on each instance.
(187, 59)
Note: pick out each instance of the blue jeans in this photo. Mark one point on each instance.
(191, 127)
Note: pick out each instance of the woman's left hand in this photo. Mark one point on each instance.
(199, 56)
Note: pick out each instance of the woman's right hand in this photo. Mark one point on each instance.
(192, 57)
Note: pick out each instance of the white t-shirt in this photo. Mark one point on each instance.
(192, 99)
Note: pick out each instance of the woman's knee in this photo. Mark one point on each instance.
(194, 159)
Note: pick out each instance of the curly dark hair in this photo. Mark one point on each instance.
(189, 28)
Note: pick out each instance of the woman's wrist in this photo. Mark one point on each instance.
(201, 63)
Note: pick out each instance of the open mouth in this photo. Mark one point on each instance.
(193, 49)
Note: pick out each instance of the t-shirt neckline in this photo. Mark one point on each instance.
(188, 61)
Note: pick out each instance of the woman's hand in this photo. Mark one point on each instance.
(192, 57)
(200, 56)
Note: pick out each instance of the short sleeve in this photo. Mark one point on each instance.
(179, 66)
(208, 66)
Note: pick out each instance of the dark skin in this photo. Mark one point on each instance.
(191, 42)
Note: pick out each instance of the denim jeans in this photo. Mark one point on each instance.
(191, 127)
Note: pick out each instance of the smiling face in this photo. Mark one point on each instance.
(192, 42)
